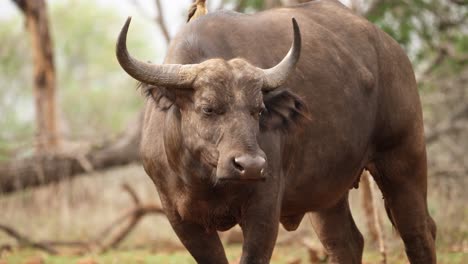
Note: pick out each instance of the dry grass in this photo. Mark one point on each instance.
(78, 209)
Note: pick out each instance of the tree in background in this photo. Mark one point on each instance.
(98, 107)
(47, 135)
(433, 32)
(94, 96)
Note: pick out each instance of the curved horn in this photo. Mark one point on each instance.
(276, 76)
(168, 75)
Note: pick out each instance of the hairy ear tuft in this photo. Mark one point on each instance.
(285, 111)
(163, 97)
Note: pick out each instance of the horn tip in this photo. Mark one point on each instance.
(127, 22)
(295, 24)
(294, 21)
(124, 30)
(121, 45)
(297, 34)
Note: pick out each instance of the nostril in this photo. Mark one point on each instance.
(249, 166)
(237, 165)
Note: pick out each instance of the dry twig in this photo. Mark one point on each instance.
(104, 241)
(135, 215)
(368, 205)
(378, 223)
(158, 17)
(24, 241)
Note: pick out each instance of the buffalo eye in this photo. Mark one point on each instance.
(258, 112)
(261, 111)
(207, 110)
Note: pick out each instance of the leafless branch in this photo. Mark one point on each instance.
(132, 194)
(158, 18)
(442, 53)
(457, 174)
(136, 214)
(448, 126)
(240, 6)
(459, 2)
(356, 6)
(25, 241)
(21, 4)
(373, 8)
(221, 5)
(104, 241)
(141, 9)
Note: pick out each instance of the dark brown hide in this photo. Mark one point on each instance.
(351, 103)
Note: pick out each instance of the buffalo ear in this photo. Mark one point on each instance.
(284, 111)
(163, 97)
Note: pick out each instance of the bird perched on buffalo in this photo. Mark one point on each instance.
(197, 9)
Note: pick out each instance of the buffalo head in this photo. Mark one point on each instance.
(220, 108)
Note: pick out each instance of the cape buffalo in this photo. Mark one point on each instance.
(237, 132)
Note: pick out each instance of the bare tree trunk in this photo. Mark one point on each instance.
(161, 22)
(368, 206)
(372, 214)
(158, 17)
(39, 170)
(47, 136)
(378, 222)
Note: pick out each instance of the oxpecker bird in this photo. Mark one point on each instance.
(197, 9)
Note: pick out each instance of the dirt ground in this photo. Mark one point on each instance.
(282, 255)
(78, 209)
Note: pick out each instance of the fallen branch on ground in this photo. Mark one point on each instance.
(24, 241)
(110, 237)
(39, 170)
(136, 214)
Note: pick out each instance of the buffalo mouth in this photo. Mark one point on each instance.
(241, 179)
(243, 167)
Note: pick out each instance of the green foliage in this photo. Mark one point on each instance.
(249, 5)
(423, 26)
(15, 81)
(420, 26)
(95, 97)
(255, 4)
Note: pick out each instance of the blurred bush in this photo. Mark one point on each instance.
(94, 96)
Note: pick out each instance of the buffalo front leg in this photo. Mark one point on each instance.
(260, 229)
(338, 233)
(205, 246)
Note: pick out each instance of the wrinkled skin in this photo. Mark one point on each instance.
(351, 103)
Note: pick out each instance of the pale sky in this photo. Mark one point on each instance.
(174, 12)
(173, 9)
